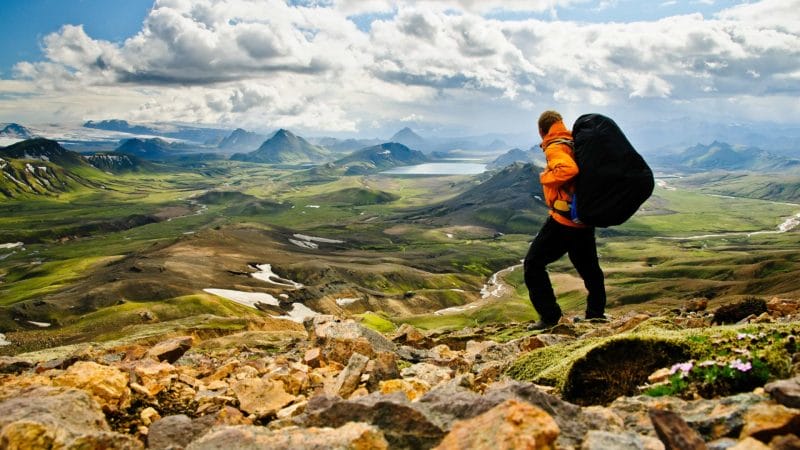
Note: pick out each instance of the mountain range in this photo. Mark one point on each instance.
(197, 134)
(155, 149)
(284, 147)
(513, 156)
(724, 156)
(380, 157)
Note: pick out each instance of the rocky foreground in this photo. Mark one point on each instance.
(332, 383)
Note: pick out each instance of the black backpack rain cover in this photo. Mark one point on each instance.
(613, 179)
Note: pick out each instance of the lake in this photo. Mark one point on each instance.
(454, 168)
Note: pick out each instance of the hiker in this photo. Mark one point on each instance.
(560, 234)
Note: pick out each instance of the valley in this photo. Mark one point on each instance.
(162, 243)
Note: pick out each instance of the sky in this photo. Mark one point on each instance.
(366, 67)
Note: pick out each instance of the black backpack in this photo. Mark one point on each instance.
(613, 179)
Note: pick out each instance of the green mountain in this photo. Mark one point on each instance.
(724, 156)
(509, 201)
(43, 150)
(41, 167)
(284, 147)
(117, 162)
(380, 157)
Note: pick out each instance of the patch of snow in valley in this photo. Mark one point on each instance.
(312, 206)
(250, 299)
(11, 245)
(39, 324)
(265, 273)
(346, 301)
(299, 313)
(3, 340)
(304, 244)
(302, 240)
(13, 179)
(450, 235)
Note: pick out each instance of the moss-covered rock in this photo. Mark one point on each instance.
(598, 370)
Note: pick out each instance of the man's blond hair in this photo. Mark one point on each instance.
(546, 120)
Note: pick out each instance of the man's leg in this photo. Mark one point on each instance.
(583, 254)
(547, 247)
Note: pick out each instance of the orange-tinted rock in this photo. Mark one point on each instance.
(510, 425)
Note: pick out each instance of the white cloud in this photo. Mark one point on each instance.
(265, 63)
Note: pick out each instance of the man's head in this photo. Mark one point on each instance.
(546, 120)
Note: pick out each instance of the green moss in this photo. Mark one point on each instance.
(596, 371)
(377, 322)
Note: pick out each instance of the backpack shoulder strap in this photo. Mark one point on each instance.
(568, 142)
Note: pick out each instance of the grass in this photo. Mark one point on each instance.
(386, 253)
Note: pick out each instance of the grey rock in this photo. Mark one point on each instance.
(349, 378)
(785, 392)
(172, 432)
(58, 417)
(604, 440)
(403, 424)
(348, 436)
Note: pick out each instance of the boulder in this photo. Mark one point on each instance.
(605, 440)
(170, 350)
(108, 385)
(54, 417)
(674, 432)
(172, 432)
(349, 378)
(348, 436)
(261, 397)
(429, 373)
(13, 365)
(713, 419)
(785, 392)
(766, 421)
(403, 425)
(339, 339)
(510, 425)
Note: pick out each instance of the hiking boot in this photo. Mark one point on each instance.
(541, 325)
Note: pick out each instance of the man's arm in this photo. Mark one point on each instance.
(560, 166)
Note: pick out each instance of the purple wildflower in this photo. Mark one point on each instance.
(684, 368)
(740, 366)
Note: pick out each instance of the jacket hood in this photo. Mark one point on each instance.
(557, 131)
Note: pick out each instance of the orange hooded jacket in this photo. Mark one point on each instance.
(560, 171)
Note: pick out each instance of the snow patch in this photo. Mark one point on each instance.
(346, 301)
(250, 299)
(312, 206)
(265, 273)
(39, 324)
(11, 245)
(3, 340)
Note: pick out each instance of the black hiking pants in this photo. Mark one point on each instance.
(552, 242)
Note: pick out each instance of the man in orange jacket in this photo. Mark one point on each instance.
(559, 234)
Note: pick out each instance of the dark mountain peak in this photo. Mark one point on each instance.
(283, 132)
(16, 130)
(284, 147)
(43, 149)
